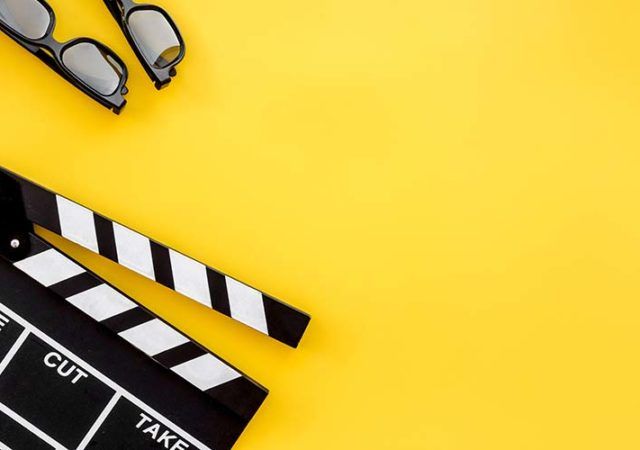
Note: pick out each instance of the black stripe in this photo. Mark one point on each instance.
(219, 294)
(242, 396)
(41, 206)
(106, 238)
(75, 285)
(37, 246)
(128, 320)
(285, 323)
(162, 265)
(180, 354)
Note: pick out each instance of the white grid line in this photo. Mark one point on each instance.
(99, 421)
(13, 350)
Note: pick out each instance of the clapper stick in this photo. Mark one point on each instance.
(160, 263)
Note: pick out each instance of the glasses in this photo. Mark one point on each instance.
(87, 64)
(153, 35)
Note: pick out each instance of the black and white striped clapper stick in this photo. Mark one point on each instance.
(161, 263)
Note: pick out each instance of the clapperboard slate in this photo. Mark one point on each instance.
(84, 366)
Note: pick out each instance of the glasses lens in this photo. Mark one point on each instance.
(26, 17)
(93, 66)
(155, 37)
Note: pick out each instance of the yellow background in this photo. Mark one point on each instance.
(449, 188)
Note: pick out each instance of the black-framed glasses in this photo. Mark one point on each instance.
(153, 35)
(86, 63)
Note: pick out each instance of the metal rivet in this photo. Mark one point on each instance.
(15, 243)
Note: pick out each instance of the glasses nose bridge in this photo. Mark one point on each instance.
(49, 44)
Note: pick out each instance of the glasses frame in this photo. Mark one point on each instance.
(121, 10)
(50, 51)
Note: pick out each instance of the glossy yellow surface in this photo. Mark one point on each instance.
(450, 189)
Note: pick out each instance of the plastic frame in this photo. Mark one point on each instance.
(121, 10)
(50, 51)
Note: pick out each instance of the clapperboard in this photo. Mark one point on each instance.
(84, 366)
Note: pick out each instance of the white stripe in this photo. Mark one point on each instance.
(101, 302)
(206, 372)
(246, 305)
(49, 267)
(77, 223)
(99, 421)
(34, 430)
(190, 278)
(4, 447)
(134, 251)
(154, 337)
(108, 381)
(14, 349)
